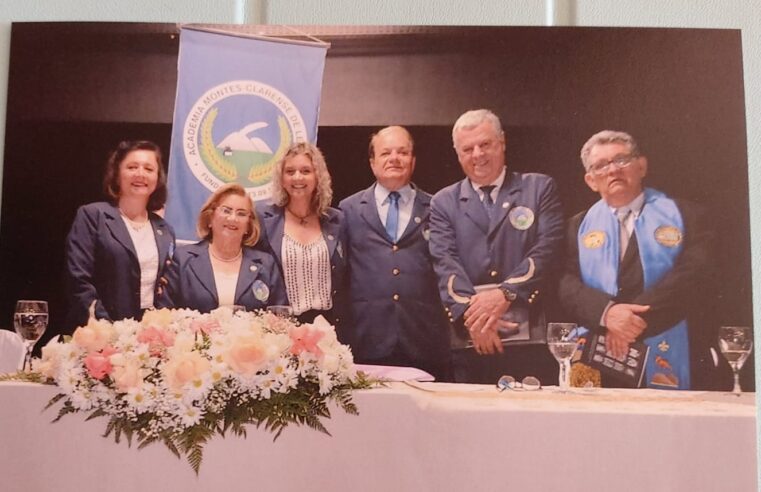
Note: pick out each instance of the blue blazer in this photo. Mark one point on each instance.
(272, 218)
(191, 279)
(518, 248)
(102, 265)
(395, 306)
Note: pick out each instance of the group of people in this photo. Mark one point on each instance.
(407, 278)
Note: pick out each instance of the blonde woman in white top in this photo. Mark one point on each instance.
(306, 235)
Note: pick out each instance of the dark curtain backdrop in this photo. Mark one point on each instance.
(75, 90)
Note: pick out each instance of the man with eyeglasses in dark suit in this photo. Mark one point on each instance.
(635, 260)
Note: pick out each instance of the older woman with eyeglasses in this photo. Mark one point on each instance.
(224, 268)
(305, 234)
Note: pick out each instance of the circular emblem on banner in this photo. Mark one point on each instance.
(593, 240)
(669, 236)
(521, 218)
(237, 131)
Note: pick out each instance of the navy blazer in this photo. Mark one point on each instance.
(102, 265)
(333, 228)
(518, 248)
(191, 279)
(392, 292)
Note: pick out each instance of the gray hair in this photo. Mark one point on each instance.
(475, 117)
(606, 137)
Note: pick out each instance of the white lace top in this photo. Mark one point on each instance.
(307, 274)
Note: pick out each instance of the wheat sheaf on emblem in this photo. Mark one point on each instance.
(219, 158)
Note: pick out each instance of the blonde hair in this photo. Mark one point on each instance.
(204, 217)
(323, 193)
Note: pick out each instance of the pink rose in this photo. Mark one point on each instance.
(157, 339)
(246, 356)
(183, 368)
(304, 339)
(205, 327)
(98, 364)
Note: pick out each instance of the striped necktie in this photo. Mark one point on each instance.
(623, 214)
(488, 202)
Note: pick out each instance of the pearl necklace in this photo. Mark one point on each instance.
(226, 260)
(134, 225)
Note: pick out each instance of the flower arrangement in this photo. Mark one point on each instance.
(180, 377)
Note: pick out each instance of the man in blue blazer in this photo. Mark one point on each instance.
(396, 316)
(494, 240)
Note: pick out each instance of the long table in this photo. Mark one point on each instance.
(413, 436)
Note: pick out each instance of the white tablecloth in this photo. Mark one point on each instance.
(430, 437)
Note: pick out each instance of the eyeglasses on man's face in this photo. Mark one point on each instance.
(602, 167)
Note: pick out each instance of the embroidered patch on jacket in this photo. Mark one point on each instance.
(669, 236)
(593, 240)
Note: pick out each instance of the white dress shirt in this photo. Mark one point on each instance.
(406, 201)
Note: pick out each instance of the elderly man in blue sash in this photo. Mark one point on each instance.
(634, 261)
(494, 239)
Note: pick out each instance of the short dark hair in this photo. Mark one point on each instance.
(111, 176)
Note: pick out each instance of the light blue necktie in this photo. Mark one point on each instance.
(488, 202)
(392, 219)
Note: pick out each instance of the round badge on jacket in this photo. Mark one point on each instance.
(521, 217)
(668, 236)
(593, 240)
(261, 291)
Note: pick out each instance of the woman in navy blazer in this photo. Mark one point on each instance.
(224, 268)
(306, 235)
(117, 251)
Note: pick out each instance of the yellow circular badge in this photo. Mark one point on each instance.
(594, 240)
(669, 236)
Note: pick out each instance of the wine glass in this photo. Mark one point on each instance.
(30, 320)
(561, 340)
(736, 342)
(281, 311)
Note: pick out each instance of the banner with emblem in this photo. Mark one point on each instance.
(241, 102)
